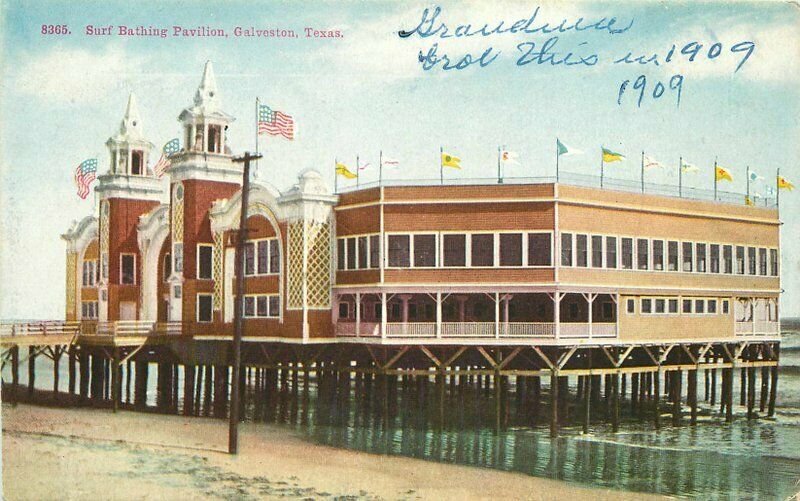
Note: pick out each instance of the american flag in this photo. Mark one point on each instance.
(172, 146)
(84, 175)
(275, 122)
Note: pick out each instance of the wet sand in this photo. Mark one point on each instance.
(51, 453)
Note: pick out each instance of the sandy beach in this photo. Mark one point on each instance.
(51, 453)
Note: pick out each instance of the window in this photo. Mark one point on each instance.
(274, 306)
(611, 252)
(249, 306)
(739, 260)
(712, 305)
(727, 259)
(127, 272)
(631, 306)
(672, 304)
(249, 258)
(566, 249)
(214, 137)
(454, 248)
(510, 249)
(699, 306)
(672, 255)
(204, 307)
(424, 250)
(483, 249)
(89, 310)
(581, 250)
(89, 273)
(344, 310)
(597, 251)
(647, 305)
(340, 254)
(658, 255)
(762, 262)
(701, 258)
(400, 251)
(642, 248)
(539, 249)
(363, 255)
(274, 256)
(627, 253)
(351, 253)
(205, 255)
(167, 266)
(262, 247)
(713, 260)
(137, 163)
(726, 306)
(661, 305)
(687, 256)
(751, 260)
(375, 251)
(687, 305)
(261, 306)
(773, 262)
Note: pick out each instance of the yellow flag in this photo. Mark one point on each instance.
(612, 156)
(784, 184)
(748, 201)
(342, 170)
(723, 174)
(449, 160)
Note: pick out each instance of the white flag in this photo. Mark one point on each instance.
(391, 162)
(509, 157)
(688, 168)
(650, 163)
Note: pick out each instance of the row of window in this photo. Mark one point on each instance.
(678, 306)
(255, 306)
(89, 310)
(477, 250)
(262, 257)
(628, 253)
(358, 253)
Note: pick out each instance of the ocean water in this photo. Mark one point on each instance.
(757, 459)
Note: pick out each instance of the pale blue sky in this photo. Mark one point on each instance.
(63, 96)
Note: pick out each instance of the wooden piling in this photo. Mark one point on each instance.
(140, 385)
(188, 390)
(676, 380)
(713, 387)
(128, 376)
(692, 396)
(615, 402)
(751, 392)
(656, 396)
(729, 397)
(57, 352)
(208, 382)
(553, 403)
(587, 406)
(773, 390)
(31, 369)
(115, 367)
(71, 369)
(84, 369)
(14, 374)
(743, 387)
(634, 393)
(764, 389)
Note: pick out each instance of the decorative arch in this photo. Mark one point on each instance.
(153, 230)
(78, 239)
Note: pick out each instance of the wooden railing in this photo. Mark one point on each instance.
(43, 328)
(757, 328)
(450, 330)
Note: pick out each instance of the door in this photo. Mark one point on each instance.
(127, 310)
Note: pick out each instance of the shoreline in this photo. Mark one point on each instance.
(132, 455)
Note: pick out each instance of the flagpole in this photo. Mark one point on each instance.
(778, 190)
(748, 182)
(358, 171)
(441, 167)
(499, 175)
(256, 169)
(380, 168)
(335, 176)
(557, 155)
(642, 171)
(715, 179)
(602, 167)
(680, 177)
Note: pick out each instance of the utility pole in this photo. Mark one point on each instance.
(233, 430)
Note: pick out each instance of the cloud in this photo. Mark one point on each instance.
(76, 75)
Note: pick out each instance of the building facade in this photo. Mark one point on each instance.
(496, 264)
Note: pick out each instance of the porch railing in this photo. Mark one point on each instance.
(468, 329)
(450, 330)
(757, 328)
(44, 328)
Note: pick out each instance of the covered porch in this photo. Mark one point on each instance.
(460, 315)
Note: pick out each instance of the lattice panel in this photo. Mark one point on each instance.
(72, 270)
(294, 294)
(318, 269)
(177, 213)
(216, 270)
(105, 210)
